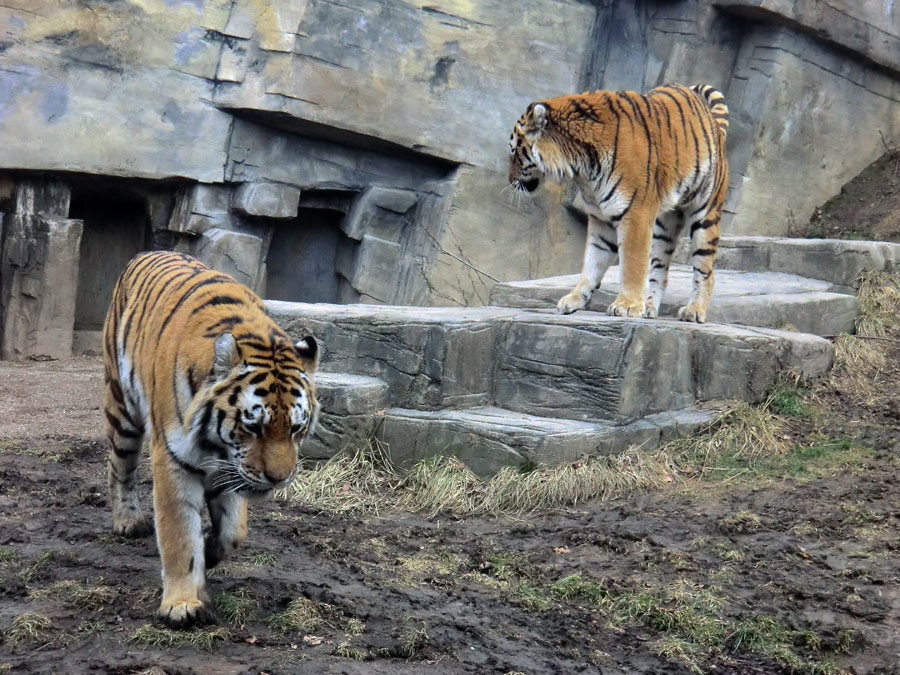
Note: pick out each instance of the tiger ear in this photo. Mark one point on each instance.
(308, 349)
(225, 355)
(538, 118)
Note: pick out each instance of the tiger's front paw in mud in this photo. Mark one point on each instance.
(570, 303)
(186, 613)
(133, 528)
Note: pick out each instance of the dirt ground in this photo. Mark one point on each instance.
(868, 207)
(790, 568)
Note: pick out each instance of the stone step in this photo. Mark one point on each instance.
(836, 261)
(489, 438)
(764, 299)
(351, 406)
(586, 366)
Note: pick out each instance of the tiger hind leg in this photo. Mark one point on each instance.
(666, 231)
(126, 436)
(704, 242)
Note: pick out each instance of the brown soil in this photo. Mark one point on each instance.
(439, 595)
(868, 207)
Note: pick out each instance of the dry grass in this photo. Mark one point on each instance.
(879, 304)
(363, 479)
(860, 361)
(29, 628)
(199, 638)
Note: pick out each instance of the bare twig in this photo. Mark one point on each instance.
(441, 249)
(891, 151)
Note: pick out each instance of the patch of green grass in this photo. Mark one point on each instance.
(7, 555)
(199, 638)
(305, 615)
(682, 651)
(28, 628)
(412, 640)
(237, 607)
(573, 587)
(78, 595)
(263, 559)
(741, 522)
(354, 626)
(786, 400)
(346, 651)
(531, 599)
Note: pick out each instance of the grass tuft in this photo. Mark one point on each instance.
(199, 638)
(28, 628)
(879, 303)
(236, 608)
(442, 483)
(412, 640)
(361, 479)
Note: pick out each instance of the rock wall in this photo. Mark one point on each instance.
(382, 125)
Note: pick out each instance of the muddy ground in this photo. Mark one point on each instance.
(791, 567)
(867, 207)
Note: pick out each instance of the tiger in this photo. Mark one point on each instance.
(192, 361)
(647, 166)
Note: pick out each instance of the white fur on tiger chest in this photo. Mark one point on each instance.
(614, 200)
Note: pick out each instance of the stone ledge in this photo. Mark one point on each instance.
(822, 20)
(487, 439)
(836, 261)
(769, 300)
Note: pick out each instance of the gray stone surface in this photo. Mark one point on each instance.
(584, 366)
(487, 439)
(352, 407)
(201, 207)
(364, 95)
(39, 283)
(429, 357)
(766, 299)
(235, 253)
(835, 261)
(270, 200)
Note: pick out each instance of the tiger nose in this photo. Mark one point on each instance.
(276, 476)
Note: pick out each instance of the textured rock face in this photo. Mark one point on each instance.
(373, 135)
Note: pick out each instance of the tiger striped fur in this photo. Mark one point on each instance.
(647, 166)
(193, 362)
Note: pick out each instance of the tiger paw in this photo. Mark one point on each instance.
(692, 313)
(570, 303)
(624, 307)
(186, 613)
(651, 312)
(133, 528)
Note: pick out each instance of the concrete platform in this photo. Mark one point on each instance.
(489, 438)
(766, 299)
(586, 366)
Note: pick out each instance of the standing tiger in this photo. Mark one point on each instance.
(193, 361)
(647, 166)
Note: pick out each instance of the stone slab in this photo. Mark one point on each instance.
(585, 366)
(838, 262)
(269, 200)
(351, 408)
(766, 299)
(489, 438)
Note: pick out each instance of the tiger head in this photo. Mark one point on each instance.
(525, 165)
(261, 405)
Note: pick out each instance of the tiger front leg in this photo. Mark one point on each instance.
(178, 500)
(635, 235)
(600, 252)
(228, 513)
